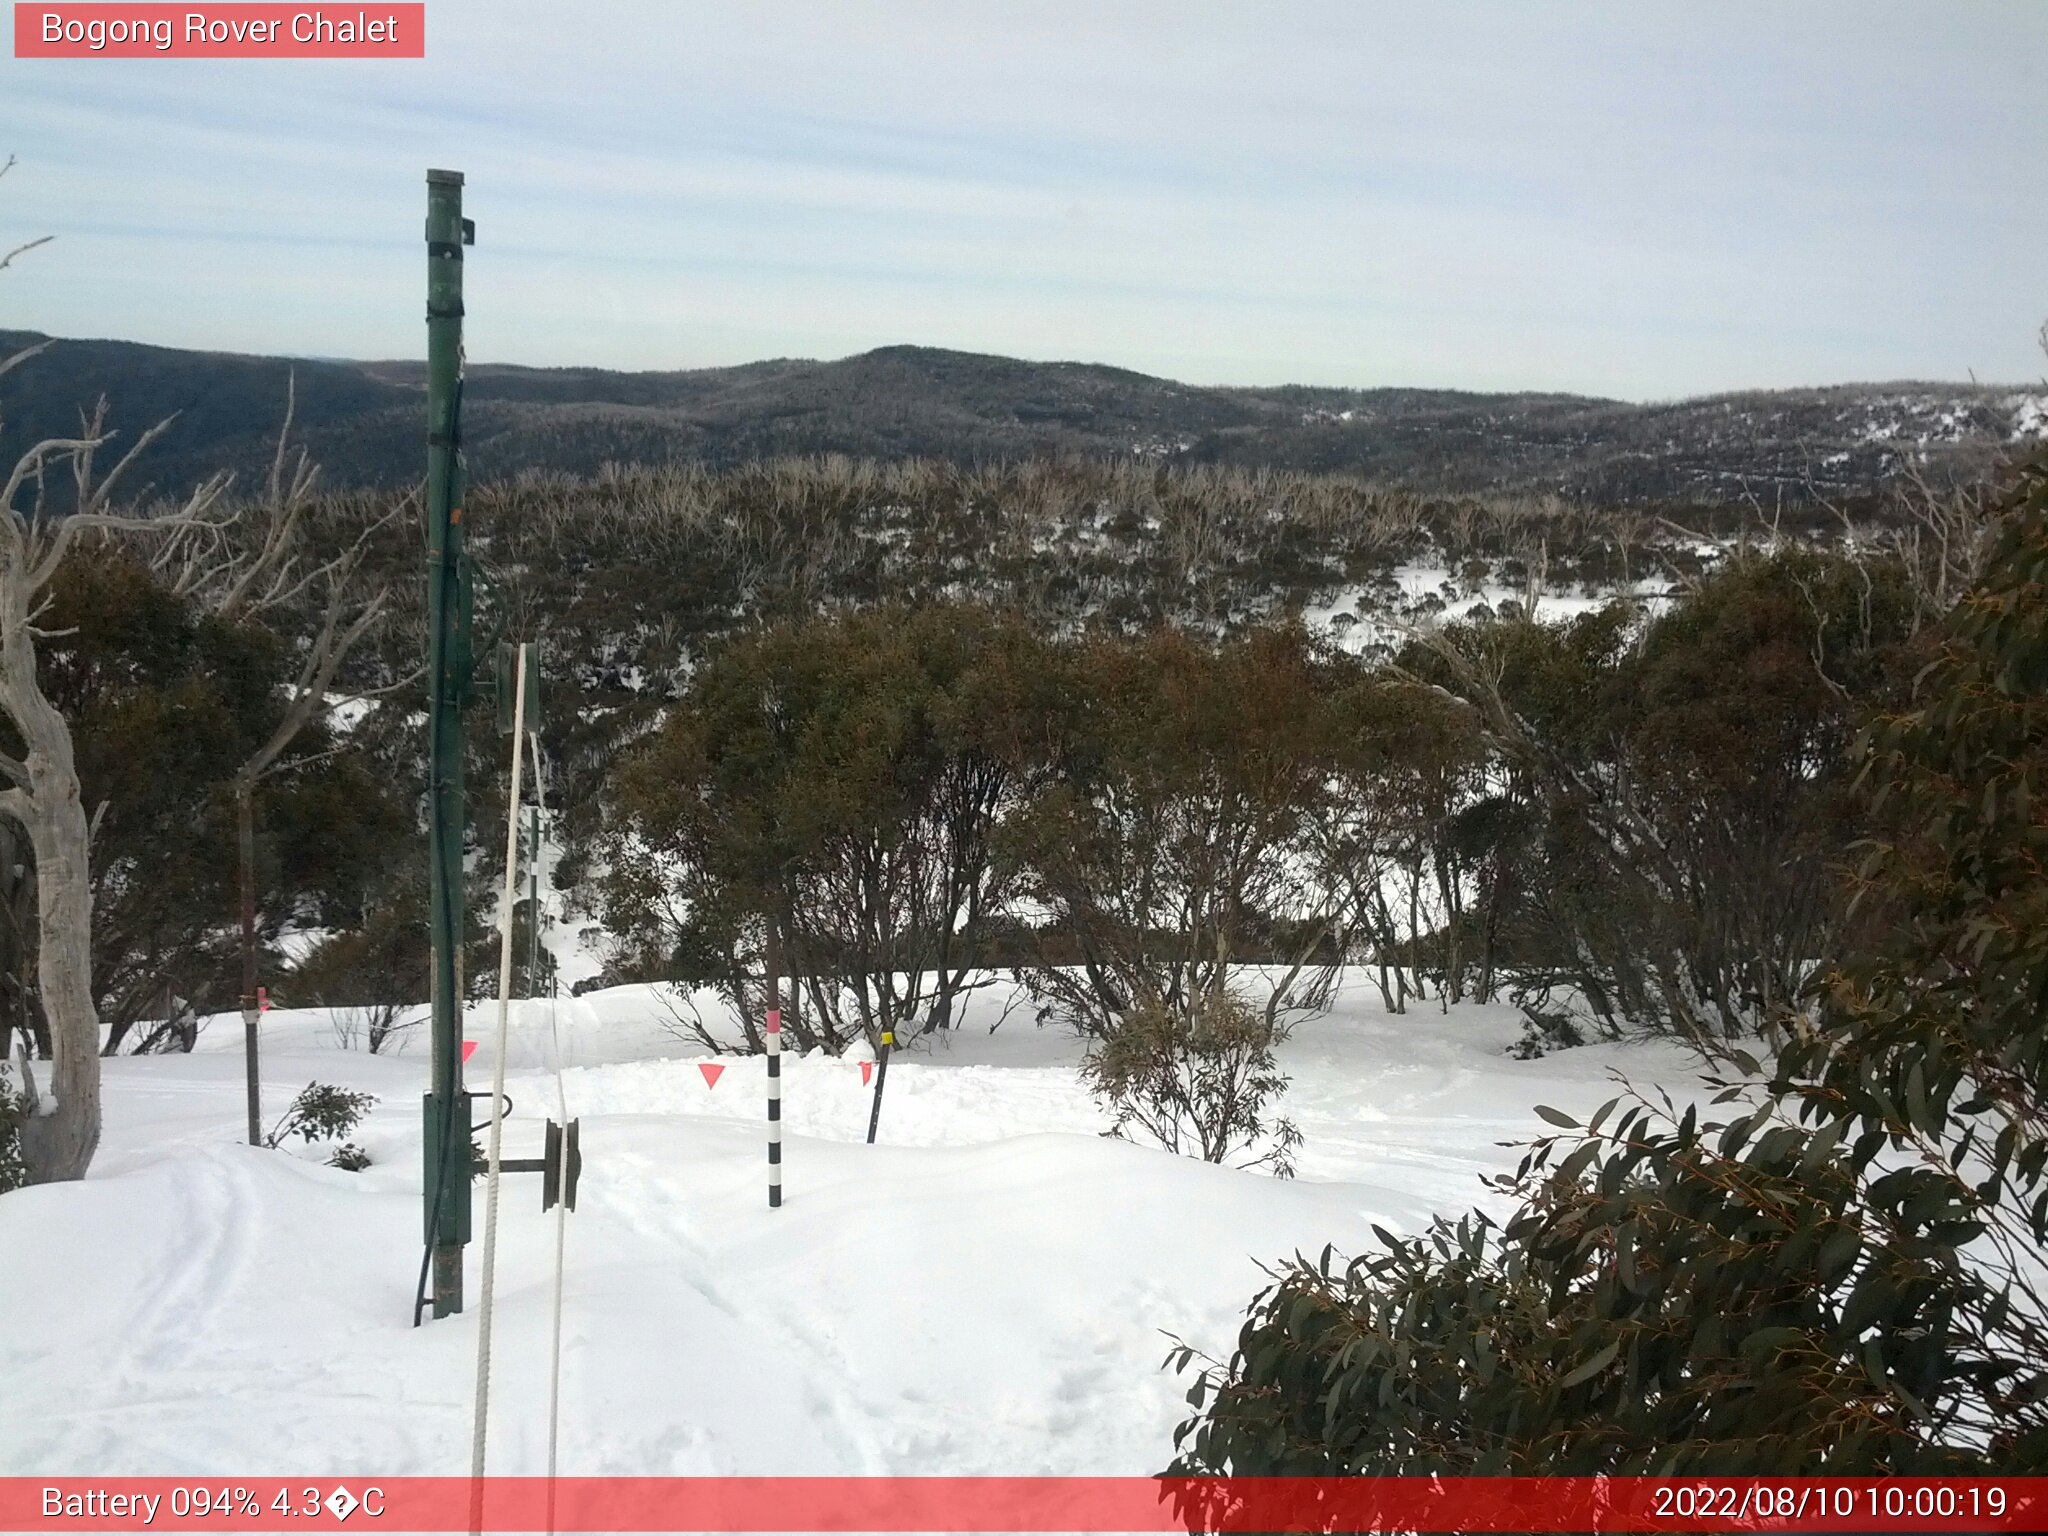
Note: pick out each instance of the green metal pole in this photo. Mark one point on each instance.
(447, 1163)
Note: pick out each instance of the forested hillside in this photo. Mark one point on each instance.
(634, 582)
(361, 420)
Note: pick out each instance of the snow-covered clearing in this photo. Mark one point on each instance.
(987, 1292)
(1357, 617)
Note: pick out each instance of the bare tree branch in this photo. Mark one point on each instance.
(15, 360)
(21, 250)
(31, 463)
(309, 692)
(200, 502)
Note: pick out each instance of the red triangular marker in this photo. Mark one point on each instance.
(867, 1070)
(712, 1071)
(468, 1049)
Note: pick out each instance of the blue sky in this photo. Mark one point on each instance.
(1637, 199)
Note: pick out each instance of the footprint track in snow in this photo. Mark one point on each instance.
(845, 1414)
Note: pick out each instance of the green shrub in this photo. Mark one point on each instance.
(1195, 1080)
(321, 1112)
(349, 1157)
(13, 1109)
(1671, 1297)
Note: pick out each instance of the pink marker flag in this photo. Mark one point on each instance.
(712, 1072)
(468, 1049)
(867, 1071)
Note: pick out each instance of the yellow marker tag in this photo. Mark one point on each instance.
(888, 1037)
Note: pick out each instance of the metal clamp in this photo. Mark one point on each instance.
(560, 1165)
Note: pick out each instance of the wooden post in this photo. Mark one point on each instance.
(881, 1077)
(252, 1011)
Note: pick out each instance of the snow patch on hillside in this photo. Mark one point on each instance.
(2029, 417)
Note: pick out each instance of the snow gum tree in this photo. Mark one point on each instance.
(1173, 844)
(163, 699)
(40, 526)
(59, 1134)
(1663, 793)
(843, 778)
(1393, 842)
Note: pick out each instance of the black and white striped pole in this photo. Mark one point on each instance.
(881, 1077)
(773, 1021)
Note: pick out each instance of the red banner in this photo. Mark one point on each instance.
(112, 31)
(1026, 1504)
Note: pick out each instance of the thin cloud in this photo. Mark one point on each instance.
(1619, 199)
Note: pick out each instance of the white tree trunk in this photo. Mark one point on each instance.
(63, 1131)
(59, 1142)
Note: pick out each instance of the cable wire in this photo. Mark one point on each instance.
(491, 1180)
(562, 1108)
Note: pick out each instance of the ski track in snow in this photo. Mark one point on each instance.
(990, 1291)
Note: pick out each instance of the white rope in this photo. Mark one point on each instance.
(483, 1325)
(540, 793)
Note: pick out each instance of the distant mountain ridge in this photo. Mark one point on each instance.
(363, 422)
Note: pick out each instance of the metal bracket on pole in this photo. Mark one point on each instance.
(509, 683)
(560, 1165)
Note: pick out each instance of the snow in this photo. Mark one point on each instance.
(561, 933)
(1359, 617)
(2029, 417)
(297, 943)
(990, 1290)
(346, 711)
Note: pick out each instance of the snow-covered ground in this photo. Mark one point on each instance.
(989, 1290)
(1358, 617)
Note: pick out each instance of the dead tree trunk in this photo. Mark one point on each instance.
(59, 1142)
(60, 1135)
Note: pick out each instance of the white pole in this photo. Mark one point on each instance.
(483, 1321)
(774, 1107)
(540, 796)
